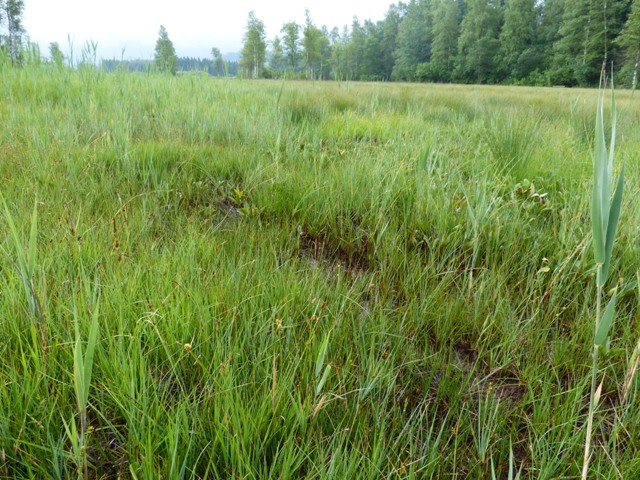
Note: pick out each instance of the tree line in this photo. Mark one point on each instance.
(537, 42)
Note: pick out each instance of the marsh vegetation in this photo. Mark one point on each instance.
(307, 280)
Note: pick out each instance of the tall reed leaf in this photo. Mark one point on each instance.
(605, 214)
(605, 211)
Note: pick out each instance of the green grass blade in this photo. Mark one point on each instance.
(78, 374)
(321, 355)
(599, 206)
(22, 260)
(88, 357)
(602, 331)
(614, 217)
(613, 130)
(33, 240)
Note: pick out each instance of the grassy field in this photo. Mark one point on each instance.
(307, 280)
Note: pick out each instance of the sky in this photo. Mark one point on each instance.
(194, 26)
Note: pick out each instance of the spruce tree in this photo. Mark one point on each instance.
(629, 41)
(519, 51)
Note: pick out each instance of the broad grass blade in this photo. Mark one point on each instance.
(614, 216)
(602, 331)
(600, 198)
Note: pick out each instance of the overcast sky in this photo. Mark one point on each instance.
(194, 26)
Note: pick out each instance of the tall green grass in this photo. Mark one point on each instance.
(304, 280)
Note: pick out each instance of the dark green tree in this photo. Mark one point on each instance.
(371, 67)
(446, 28)
(629, 41)
(414, 40)
(165, 57)
(253, 54)
(549, 31)
(389, 41)
(586, 34)
(478, 43)
(354, 50)
(520, 52)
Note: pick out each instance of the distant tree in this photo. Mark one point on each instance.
(276, 57)
(325, 55)
(586, 34)
(519, 52)
(415, 34)
(57, 57)
(291, 45)
(354, 50)
(313, 43)
(389, 41)
(478, 43)
(446, 28)
(165, 55)
(218, 64)
(11, 29)
(252, 56)
(337, 61)
(629, 40)
(549, 30)
(371, 65)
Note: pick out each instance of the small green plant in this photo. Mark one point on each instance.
(82, 373)
(26, 261)
(605, 213)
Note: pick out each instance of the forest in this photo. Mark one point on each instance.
(548, 42)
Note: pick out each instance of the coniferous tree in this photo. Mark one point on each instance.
(354, 50)
(629, 41)
(520, 53)
(389, 42)
(371, 66)
(446, 29)
(587, 32)
(549, 31)
(165, 54)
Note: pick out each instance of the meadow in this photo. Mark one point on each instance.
(218, 278)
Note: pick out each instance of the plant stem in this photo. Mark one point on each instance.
(594, 378)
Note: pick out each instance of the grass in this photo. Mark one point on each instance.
(307, 280)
